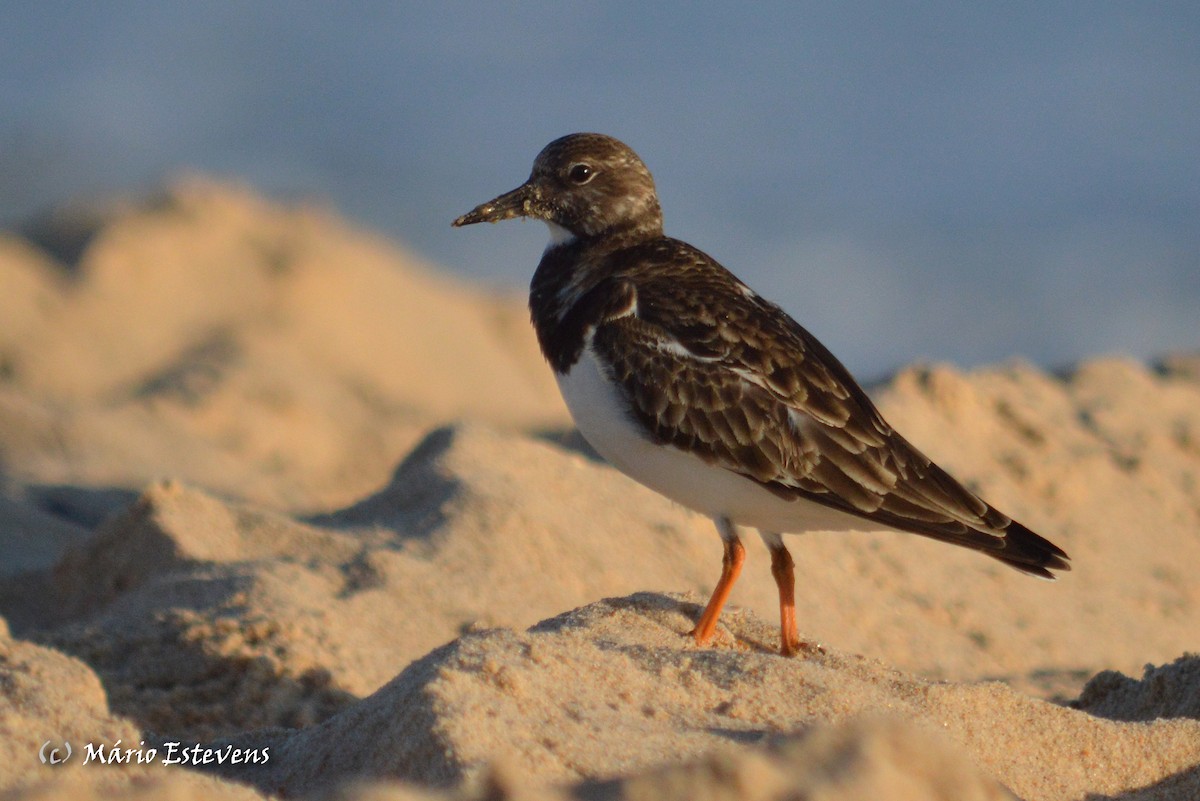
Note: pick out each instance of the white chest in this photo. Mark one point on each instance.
(600, 412)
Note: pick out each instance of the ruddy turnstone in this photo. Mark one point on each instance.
(686, 380)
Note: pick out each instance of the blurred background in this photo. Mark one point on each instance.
(950, 182)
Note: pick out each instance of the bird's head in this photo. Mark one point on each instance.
(583, 185)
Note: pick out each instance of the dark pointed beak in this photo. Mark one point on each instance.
(517, 203)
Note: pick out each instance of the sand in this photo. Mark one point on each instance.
(270, 485)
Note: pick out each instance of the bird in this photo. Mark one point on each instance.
(688, 381)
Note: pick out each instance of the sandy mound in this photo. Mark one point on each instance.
(1169, 691)
(49, 696)
(456, 539)
(264, 478)
(616, 687)
(269, 353)
(255, 619)
(870, 758)
(49, 700)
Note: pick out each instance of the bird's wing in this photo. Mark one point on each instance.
(731, 378)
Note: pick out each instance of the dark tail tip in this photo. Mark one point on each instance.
(1031, 554)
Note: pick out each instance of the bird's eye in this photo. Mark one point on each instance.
(580, 174)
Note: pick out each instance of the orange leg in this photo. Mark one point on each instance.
(784, 571)
(731, 568)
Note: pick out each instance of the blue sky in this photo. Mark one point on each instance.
(945, 182)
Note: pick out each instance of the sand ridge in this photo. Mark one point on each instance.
(267, 481)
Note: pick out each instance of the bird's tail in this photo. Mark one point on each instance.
(1030, 553)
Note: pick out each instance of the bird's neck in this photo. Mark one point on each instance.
(564, 290)
(573, 267)
(567, 272)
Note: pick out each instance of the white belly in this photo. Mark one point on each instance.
(600, 413)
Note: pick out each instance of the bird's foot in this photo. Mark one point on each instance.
(794, 646)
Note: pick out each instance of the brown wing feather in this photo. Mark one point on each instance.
(746, 387)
